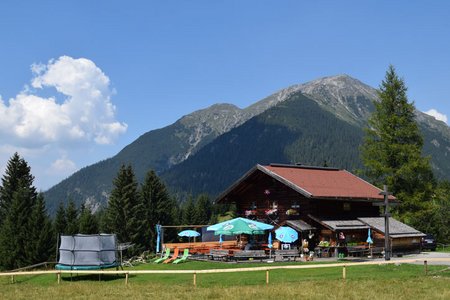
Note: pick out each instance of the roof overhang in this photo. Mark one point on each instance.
(300, 225)
(340, 225)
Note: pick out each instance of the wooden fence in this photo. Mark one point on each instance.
(212, 271)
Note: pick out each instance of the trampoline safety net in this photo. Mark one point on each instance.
(95, 251)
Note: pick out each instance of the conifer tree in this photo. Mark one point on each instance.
(157, 207)
(60, 222)
(17, 174)
(124, 213)
(18, 198)
(188, 212)
(72, 218)
(41, 243)
(202, 211)
(88, 222)
(392, 151)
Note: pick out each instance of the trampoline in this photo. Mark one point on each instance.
(87, 252)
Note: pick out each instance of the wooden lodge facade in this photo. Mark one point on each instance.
(325, 205)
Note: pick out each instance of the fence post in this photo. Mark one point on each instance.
(425, 265)
(12, 278)
(195, 279)
(126, 278)
(344, 272)
(59, 277)
(267, 276)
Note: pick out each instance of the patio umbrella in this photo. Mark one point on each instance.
(286, 234)
(189, 233)
(269, 244)
(239, 226)
(369, 238)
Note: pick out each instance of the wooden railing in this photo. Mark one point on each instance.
(212, 271)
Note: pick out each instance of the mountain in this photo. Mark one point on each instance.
(158, 149)
(311, 123)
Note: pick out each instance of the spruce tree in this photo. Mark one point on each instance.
(72, 219)
(60, 222)
(88, 222)
(124, 215)
(42, 241)
(17, 175)
(18, 198)
(157, 207)
(188, 215)
(202, 211)
(392, 151)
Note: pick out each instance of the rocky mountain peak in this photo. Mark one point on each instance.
(339, 86)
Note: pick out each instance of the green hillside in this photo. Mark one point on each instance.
(295, 131)
(311, 123)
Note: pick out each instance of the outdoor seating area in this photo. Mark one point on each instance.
(253, 242)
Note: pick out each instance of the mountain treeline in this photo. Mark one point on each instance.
(28, 235)
(279, 135)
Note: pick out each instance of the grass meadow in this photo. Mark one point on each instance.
(404, 281)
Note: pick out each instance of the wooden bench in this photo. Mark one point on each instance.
(218, 254)
(249, 254)
(289, 254)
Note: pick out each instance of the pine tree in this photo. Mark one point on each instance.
(157, 207)
(17, 174)
(18, 197)
(88, 222)
(124, 213)
(392, 151)
(60, 222)
(72, 219)
(41, 245)
(188, 212)
(202, 211)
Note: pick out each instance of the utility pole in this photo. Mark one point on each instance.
(387, 246)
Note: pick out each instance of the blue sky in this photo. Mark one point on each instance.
(80, 80)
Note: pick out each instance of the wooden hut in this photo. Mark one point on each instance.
(323, 204)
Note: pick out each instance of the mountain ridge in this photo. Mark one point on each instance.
(162, 149)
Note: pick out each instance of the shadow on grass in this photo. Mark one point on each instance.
(93, 277)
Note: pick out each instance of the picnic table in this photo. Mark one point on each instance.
(289, 254)
(219, 254)
(249, 254)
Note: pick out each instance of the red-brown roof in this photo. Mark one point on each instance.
(324, 182)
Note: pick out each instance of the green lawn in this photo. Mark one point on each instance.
(440, 248)
(375, 281)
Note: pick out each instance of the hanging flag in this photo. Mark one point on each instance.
(158, 237)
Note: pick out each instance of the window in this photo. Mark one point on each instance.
(347, 206)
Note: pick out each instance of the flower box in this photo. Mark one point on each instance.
(250, 212)
(270, 212)
(292, 212)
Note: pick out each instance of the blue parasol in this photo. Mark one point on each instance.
(269, 240)
(189, 233)
(369, 238)
(286, 234)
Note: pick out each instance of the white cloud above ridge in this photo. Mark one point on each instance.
(86, 115)
(437, 115)
(56, 132)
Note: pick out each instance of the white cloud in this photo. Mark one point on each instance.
(75, 114)
(85, 115)
(437, 115)
(63, 166)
